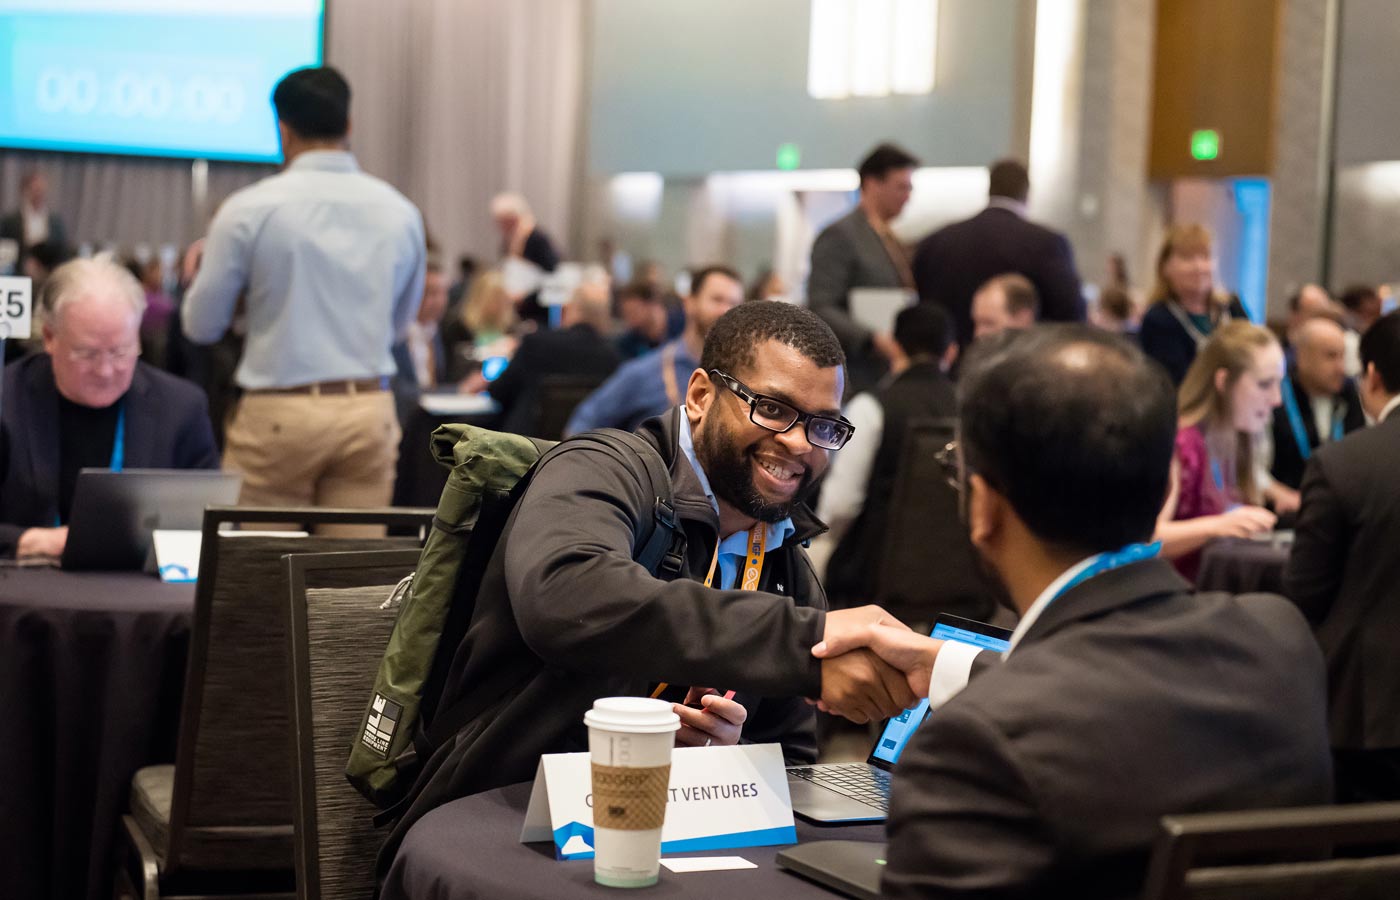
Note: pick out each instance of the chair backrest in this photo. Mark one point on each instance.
(1278, 854)
(928, 565)
(335, 640)
(555, 400)
(231, 807)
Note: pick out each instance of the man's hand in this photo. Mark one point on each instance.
(41, 542)
(718, 724)
(913, 654)
(861, 687)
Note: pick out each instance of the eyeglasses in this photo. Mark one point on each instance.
(778, 416)
(87, 356)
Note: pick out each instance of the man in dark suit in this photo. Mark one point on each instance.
(33, 223)
(953, 262)
(1320, 404)
(578, 348)
(88, 402)
(1344, 573)
(1124, 696)
(859, 250)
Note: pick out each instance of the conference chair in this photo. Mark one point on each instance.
(1278, 854)
(335, 639)
(219, 821)
(553, 401)
(928, 565)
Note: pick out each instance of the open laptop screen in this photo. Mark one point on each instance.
(902, 727)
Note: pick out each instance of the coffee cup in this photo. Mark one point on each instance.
(629, 742)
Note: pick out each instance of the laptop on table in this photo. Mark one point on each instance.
(114, 513)
(848, 793)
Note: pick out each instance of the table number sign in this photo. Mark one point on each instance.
(16, 307)
(720, 798)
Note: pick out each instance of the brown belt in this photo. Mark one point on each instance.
(355, 386)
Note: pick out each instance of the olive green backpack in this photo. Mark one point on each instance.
(490, 471)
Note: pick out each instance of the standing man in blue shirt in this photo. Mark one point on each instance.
(330, 264)
(652, 384)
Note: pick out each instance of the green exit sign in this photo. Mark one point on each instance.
(789, 157)
(1205, 144)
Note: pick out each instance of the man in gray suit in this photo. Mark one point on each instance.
(1344, 574)
(858, 250)
(1124, 696)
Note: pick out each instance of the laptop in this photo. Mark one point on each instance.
(114, 513)
(842, 793)
(851, 868)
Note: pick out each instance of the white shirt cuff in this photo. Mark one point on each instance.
(951, 670)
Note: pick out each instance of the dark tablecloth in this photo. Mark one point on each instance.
(91, 670)
(1242, 566)
(469, 849)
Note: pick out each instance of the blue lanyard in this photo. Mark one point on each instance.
(1105, 562)
(119, 442)
(1295, 422)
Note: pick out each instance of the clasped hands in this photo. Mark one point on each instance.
(873, 665)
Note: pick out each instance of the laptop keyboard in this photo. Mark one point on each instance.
(860, 781)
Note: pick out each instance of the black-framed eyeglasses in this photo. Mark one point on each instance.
(779, 416)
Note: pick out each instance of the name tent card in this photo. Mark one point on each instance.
(720, 798)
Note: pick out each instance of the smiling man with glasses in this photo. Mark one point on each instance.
(565, 614)
(88, 401)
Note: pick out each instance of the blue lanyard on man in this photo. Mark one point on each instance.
(1295, 422)
(1105, 562)
(119, 442)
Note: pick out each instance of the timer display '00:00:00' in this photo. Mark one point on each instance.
(80, 92)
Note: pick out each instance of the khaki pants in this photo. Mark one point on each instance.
(335, 450)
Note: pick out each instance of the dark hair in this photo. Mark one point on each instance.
(1357, 294)
(698, 277)
(1075, 428)
(1020, 294)
(638, 290)
(732, 344)
(466, 265)
(1117, 302)
(1381, 345)
(1008, 178)
(885, 159)
(923, 328)
(51, 255)
(314, 102)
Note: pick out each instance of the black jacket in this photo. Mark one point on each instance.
(578, 351)
(1288, 458)
(953, 262)
(1344, 573)
(1130, 698)
(564, 616)
(167, 427)
(1166, 340)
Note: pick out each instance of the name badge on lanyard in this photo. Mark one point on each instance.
(1295, 423)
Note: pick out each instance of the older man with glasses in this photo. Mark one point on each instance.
(88, 401)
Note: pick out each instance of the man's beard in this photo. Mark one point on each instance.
(729, 468)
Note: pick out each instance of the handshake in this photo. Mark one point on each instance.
(873, 665)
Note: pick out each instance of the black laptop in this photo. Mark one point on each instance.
(114, 513)
(852, 868)
(844, 793)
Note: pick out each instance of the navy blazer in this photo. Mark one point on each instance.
(953, 262)
(1130, 698)
(167, 427)
(1288, 458)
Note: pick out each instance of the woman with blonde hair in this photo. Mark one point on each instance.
(481, 321)
(1186, 306)
(1227, 398)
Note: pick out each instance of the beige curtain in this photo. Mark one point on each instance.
(453, 100)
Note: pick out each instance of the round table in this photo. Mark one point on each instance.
(91, 670)
(1243, 566)
(469, 849)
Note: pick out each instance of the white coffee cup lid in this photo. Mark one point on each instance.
(639, 715)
